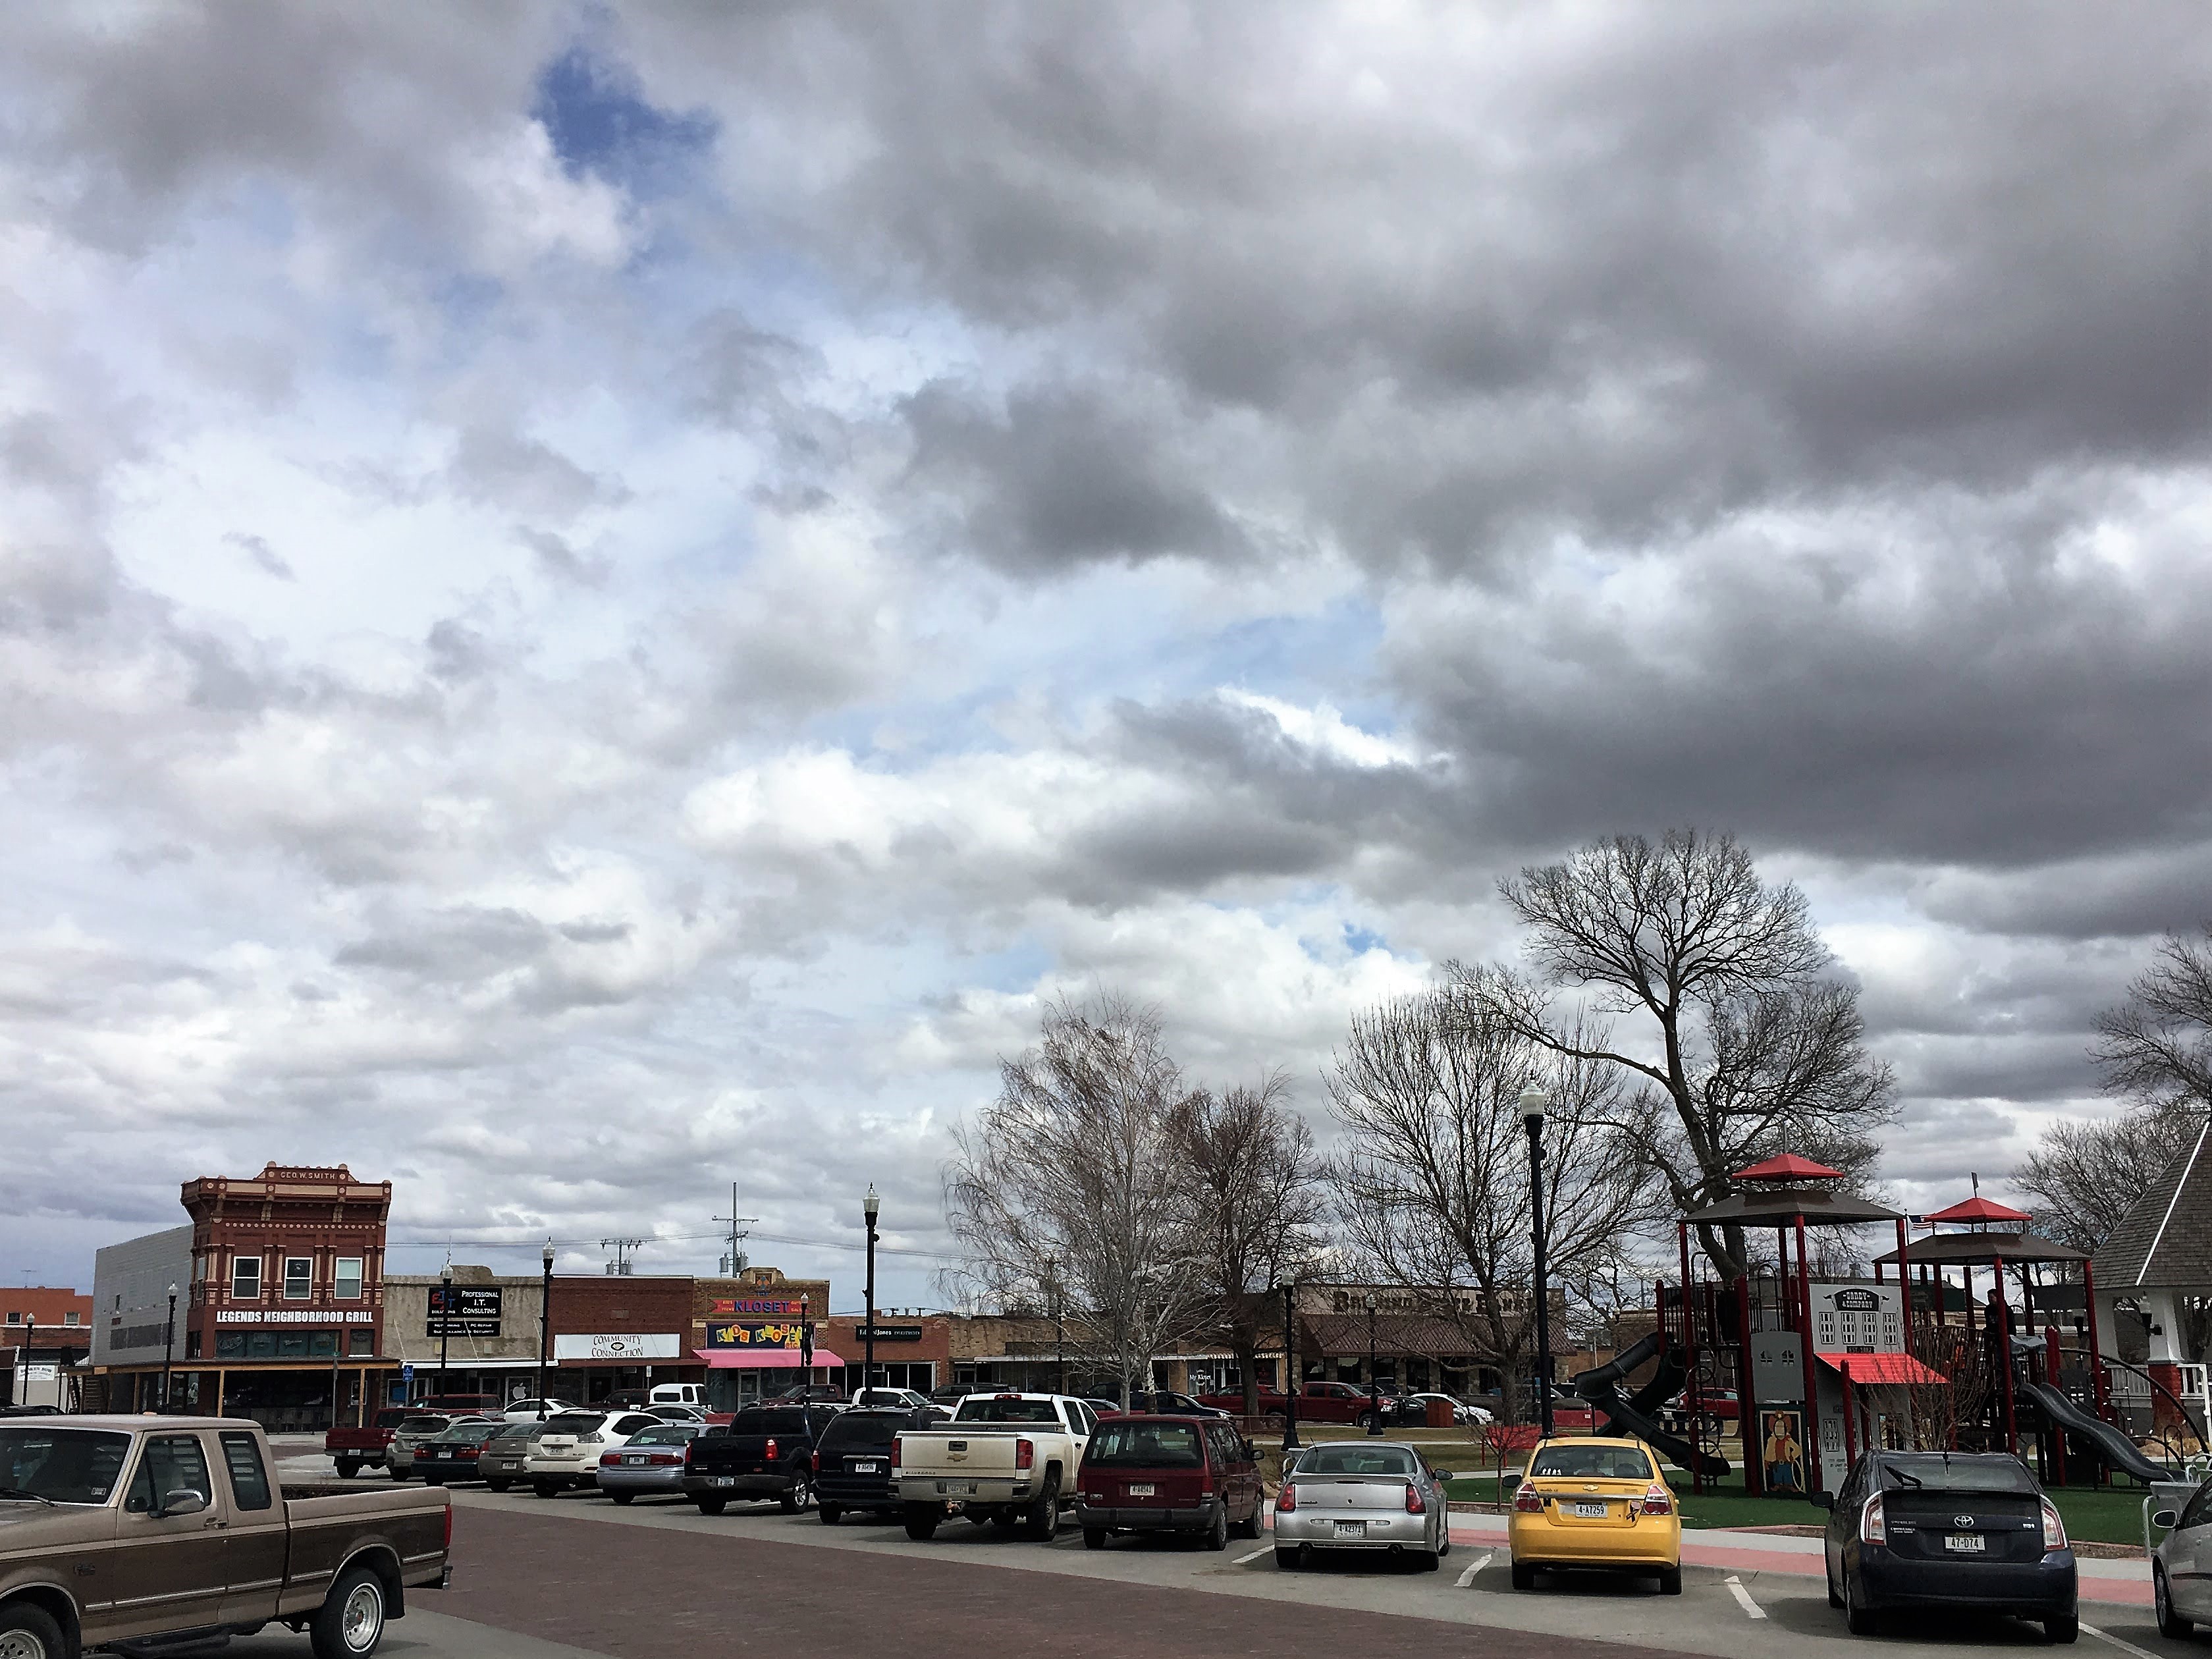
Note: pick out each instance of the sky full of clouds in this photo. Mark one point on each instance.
(599, 600)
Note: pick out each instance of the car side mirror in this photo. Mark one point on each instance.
(1824, 1500)
(2164, 1518)
(1440, 1474)
(181, 1503)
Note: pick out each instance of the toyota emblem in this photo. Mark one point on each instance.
(1962, 1520)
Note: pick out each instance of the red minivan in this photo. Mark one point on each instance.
(1151, 1474)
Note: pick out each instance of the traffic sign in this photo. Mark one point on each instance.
(406, 1373)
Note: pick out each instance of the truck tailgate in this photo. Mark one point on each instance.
(984, 1451)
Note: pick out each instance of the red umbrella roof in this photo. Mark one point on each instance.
(1979, 1209)
(1788, 1167)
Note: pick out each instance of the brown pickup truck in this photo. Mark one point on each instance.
(126, 1528)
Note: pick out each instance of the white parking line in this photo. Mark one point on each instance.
(1473, 1568)
(2124, 1647)
(1744, 1600)
(1246, 1561)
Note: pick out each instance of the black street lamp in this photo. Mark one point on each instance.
(1290, 1365)
(168, 1346)
(445, 1321)
(805, 1353)
(1374, 1383)
(871, 1206)
(1059, 1326)
(544, 1325)
(1534, 1102)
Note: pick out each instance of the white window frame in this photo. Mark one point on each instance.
(238, 1292)
(306, 1261)
(360, 1275)
(72, 1317)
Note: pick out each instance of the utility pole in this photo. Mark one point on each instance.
(621, 1248)
(734, 1263)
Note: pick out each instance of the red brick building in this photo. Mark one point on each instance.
(44, 1332)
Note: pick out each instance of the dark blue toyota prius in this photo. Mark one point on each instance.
(1948, 1530)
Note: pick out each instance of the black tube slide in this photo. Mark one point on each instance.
(1599, 1386)
(2114, 1449)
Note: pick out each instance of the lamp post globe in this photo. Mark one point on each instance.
(1535, 1104)
(872, 1207)
(1374, 1383)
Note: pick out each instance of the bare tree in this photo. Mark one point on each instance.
(1752, 1047)
(1261, 1203)
(2157, 1046)
(1077, 1182)
(1432, 1177)
(2086, 1176)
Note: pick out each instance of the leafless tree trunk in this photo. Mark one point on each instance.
(1432, 1178)
(1261, 1202)
(1080, 1174)
(1750, 1049)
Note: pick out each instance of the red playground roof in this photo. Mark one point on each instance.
(1878, 1370)
(1979, 1209)
(1788, 1167)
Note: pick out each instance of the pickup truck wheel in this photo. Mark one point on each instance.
(921, 1521)
(349, 1625)
(29, 1632)
(713, 1505)
(795, 1498)
(348, 1469)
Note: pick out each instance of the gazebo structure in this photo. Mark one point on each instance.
(2158, 1261)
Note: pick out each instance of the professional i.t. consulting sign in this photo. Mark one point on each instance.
(464, 1310)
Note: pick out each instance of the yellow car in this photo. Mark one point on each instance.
(1598, 1504)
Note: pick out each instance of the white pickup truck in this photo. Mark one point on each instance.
(1008, 1458)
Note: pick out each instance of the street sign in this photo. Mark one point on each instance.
(406, 1373)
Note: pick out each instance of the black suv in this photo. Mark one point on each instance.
(1952, 1529)
(853, 1460)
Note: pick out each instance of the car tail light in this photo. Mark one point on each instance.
(447, 1544)
(666, 1459)
(1874, 1525)
(608, 1460)
(687, 1454)
(1657, 1500)
(1527, 1500)
(2054, 1528)
(1415, 1504)
(1287, 1499)
(817, 1460)
(895, 1453)
(1024, 1454)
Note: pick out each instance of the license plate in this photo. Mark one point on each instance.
(726, 1480)
(957, 1488)
(868, 1469)
(635, 1462)
(1589, 1511)
(1352, 1529)
(1140, 1491)
(1972, 1543)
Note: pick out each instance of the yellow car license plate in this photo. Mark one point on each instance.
(1589, 1511)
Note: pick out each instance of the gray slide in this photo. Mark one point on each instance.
(2114, 1448)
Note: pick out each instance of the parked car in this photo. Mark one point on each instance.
(460, 1405)
(353, 1448)
(1102, 1407)
(1011, 1458)
(2180, 1565)
(500, 1465)
(678, 1393)
(898, 1399)
(1318, 1402)
(414, 1432)
(536, 1410)
(853, 1460)
(1162, 1402)
(32, 1410)
(1949, 1529)
(136, 1505)
(1168, 1474)
(767, 1451)
(650, 1464)
(454, 1455)
(568, 1453)
(951, 1396)
(1595, 1502)
(1363, 1495)
(677, 1414)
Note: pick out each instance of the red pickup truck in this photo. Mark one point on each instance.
(354, 1449)
(1318, 1402)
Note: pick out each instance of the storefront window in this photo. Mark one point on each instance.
(347, 1287)
(260, 1345)
(323, 1344)
(292, 1345)
(230, 1345)
(360, 1342)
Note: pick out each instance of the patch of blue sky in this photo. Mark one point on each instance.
(1359, 940)
(599, 123)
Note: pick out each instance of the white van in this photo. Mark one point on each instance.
(679, 1393)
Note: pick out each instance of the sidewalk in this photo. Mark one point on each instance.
(2125, 1582)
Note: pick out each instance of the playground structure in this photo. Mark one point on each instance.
(1813, 1366)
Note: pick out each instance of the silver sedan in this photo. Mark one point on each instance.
(650, 1464)
(1363, 1495)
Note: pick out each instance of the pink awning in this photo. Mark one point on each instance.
(761, 1359)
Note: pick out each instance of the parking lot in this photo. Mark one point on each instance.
(655, 1578)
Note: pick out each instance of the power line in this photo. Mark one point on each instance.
(536, 1240)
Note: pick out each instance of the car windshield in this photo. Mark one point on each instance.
(1936, 1472)
(64, 1465)
(576, 1422)
(1392, 1461)
(1592, 1463)
(668, 1434)
(863, 1429)
(988, 1408)
(1146, 1446)
(461, 1431)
